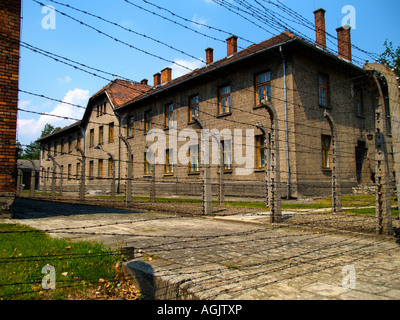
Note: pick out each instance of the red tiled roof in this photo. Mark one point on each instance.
(122, 91)
(274, 41)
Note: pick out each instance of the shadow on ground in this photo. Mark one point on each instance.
(34, 209)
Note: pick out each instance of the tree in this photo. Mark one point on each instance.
(32, 151)
(391, 57)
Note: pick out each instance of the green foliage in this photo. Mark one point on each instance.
(25, 251)
(32, 151)
(391, 57)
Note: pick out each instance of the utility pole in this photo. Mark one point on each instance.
(33, 179)
(394, 101)
(336, 194)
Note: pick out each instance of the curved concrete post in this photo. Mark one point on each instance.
(128, 199)
(394, 100)
(207, 195)
(336, 192)
(273, 165)
(83, 174)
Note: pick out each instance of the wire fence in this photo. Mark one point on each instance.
(208, 264)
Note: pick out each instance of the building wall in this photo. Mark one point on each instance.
(10, 12)
(299, 136)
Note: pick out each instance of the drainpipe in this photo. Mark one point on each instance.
(286, 125)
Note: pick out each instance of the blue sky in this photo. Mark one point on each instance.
(374, 22)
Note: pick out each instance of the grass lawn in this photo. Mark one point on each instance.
(83, 270)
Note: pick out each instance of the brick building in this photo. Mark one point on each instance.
(10, 13)
(299, 78)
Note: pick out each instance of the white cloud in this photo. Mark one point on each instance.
(64, 80)
(30, 129)
(198, 21)
(178, 67)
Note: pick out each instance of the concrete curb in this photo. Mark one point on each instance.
(155, 283)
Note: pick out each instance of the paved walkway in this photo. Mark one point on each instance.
(238, 257)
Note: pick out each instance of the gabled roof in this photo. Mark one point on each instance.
(122, 91)
(276, 41)
(245, 53)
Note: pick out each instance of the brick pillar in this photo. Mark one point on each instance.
(10, 13)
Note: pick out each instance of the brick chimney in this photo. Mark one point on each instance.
(157, 79)
(144, 82)
(320, 28)
(209, 55)
(344, 42)
(166, 75)
(231, 44)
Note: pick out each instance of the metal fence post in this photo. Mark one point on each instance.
(336, 193)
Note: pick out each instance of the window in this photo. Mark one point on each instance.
(225, 100)
(100, 169)
(260, 152)
(55, 149)
(129, 127)
(147, 165)
(91, 168)
(48, 174)
(227, 151)
(263, 86)
(101, 132)
(69, 144)
(110, 167)
(147, 121)
(323, 90)
(358, 100)
(193, 107)
(169, 115)
(69, 171)
(91, 140)
(61, 172)
(326, 151)
(111, 132)
(194, 159)
(78, 170)
(169, 165)
(62, 146)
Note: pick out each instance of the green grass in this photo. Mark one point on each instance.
(25, 251)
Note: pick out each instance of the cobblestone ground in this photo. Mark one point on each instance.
(232, 257)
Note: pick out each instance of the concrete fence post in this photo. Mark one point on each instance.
(207, 195)
(128, 197)
(273, 166)
(394, 101)
(336, 192)
(383, 206)
(83, 174)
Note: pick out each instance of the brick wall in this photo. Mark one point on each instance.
(10, 12)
